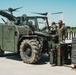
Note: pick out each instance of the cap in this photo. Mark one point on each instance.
(53, 23)
(60, 22)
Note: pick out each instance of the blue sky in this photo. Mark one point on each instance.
(68, 7)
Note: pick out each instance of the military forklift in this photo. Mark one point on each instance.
(25, 35)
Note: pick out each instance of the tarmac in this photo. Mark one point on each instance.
(11, 64)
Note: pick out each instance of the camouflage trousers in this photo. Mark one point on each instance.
(61, 37)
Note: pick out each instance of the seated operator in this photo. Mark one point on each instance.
(30, 24)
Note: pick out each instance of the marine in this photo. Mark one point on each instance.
(62, 31)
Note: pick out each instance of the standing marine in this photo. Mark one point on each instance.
(53, 28)
(62, 31)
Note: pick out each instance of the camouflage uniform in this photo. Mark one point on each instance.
(53, 52)
(53, 28)
(62, 32)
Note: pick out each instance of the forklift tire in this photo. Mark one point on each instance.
(1, 52)
(30, 51)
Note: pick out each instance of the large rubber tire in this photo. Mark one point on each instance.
(1, 52)
(30, 51)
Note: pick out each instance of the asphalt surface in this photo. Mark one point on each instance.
(11, 64)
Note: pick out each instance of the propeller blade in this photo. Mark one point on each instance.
(11, 9)
(47, 13)
(56, 13)
(17, 8)
(40, 13)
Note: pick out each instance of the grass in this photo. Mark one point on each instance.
(71, 30)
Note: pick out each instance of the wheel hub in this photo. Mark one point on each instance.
(28, 52)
